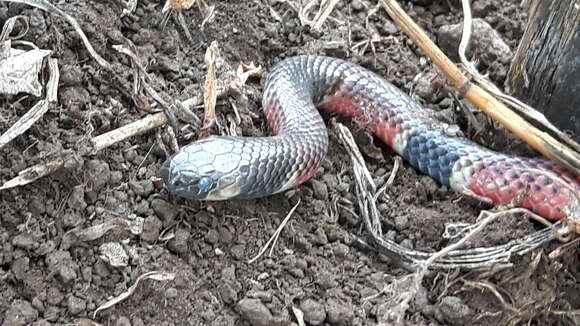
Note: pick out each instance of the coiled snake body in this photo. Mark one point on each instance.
(220, 168)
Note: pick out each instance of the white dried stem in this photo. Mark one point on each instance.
(274, 238)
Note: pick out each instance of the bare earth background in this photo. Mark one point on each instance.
(315, 266)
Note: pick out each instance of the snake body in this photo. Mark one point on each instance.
(221, 168)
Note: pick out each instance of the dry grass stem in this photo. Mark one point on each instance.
(324, 11)
(493, 289)
(9, 26)
(154, 275)
(274, 238)
(130, 7)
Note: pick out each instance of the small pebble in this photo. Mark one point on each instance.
(75, 305)
(77, 198)
(212, 236)
(340, 250)
(254, 311)
(339, 313)
(171, 293)
(407, 243)
(326, 280)
(20, 313)
(38, 304)
(20, 267)
(321, 237)
(100, 172)
(137, 321)
(319, 206)
(151, 229)
(225, 235)
(123, 321)
(356, 5)
(71, 75)
(142, 188)
(54, 296)
(452, 311)
(486, 41)
(61, 263)
(330, 180)
(265, 296)
(302, 243)
(401, 222)
(314, 312)
(179, 243)
(74, 96)
(296, 272)
(320, 189)
(238, 251)
(164, 210)
(228, 294)
(482, 8)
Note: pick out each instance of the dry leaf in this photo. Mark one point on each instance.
(114, 254)
(19, 70)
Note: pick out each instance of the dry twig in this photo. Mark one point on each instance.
(209, 88)
(326, 7)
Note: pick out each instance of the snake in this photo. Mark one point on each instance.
(295, 89)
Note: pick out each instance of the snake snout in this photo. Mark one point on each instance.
(172, 177)
(165, 172)
(188, 178)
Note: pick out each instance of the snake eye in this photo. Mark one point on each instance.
(204, 183)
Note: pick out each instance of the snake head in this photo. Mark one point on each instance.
(204, 170)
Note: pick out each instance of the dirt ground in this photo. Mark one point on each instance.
(316, 266)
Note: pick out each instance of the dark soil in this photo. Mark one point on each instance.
(316, 266)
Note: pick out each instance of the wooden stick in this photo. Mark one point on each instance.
(538, 139)
(209, 89)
